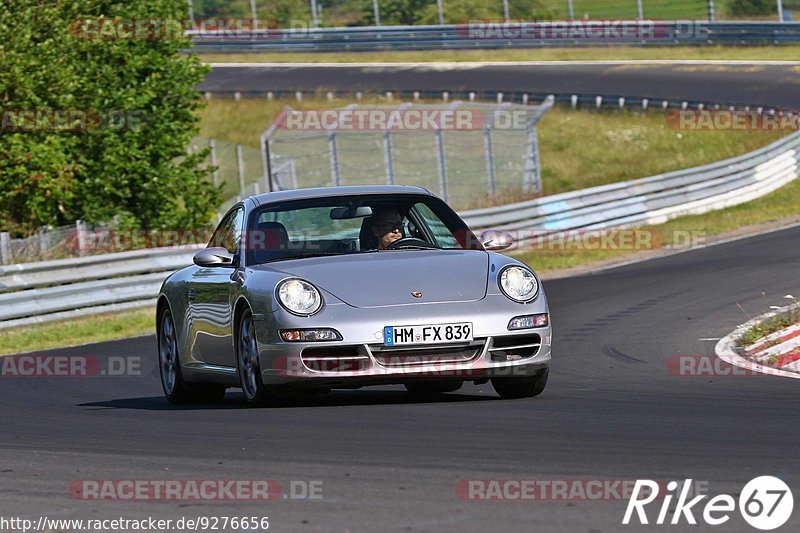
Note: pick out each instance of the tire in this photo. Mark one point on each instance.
(433, 387)
(512, 388)
(176, 390)
(247, 361)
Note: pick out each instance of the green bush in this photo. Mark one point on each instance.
(140, 173)
(746, 8)
(394, 12)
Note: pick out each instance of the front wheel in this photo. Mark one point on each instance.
(511, 388)
(248, 362)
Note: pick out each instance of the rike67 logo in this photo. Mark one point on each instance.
(765, 503)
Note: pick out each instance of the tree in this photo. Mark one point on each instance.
(135, 168)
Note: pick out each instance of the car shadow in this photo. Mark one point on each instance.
(337, 398)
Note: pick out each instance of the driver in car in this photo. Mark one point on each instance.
(387, 226)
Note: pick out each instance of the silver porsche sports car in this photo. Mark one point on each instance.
(343, 287)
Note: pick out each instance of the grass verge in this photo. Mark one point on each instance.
(76, 331)
(607, 53)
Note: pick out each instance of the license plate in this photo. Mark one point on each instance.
(427, 334)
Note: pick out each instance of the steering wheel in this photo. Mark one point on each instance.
(410, 242)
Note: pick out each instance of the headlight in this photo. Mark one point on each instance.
(518, 283)
(299, 297)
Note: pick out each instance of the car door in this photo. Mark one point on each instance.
(211, 294)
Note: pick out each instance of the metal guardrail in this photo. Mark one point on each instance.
(484, 35)
(132, 279)
(61, 271)
(654, 199)
(65, 288)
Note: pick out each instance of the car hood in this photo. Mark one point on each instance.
(381, 279)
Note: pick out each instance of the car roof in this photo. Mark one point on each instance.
(342, 190)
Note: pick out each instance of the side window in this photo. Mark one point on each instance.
(228, 234)
(441, 234)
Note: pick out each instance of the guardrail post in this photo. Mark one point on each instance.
(640, 9)
(388, 157)
(780, 10)
(571, 8)
(532, 176)
(333, 155)
(377, 12)
(212, 144)
(314, 14)
(191, 11)
(266, 164)
(505, 10)
(240, 168)
(5, 248)
(254, 13)
(44, 241)
(293, 173)
(489, 149)
(440, 9)
(711, 16)
(80, 228)
(441, 163)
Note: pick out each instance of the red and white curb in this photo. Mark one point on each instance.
(777, 354)
(780, 349)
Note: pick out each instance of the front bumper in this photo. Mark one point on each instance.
(360, 359)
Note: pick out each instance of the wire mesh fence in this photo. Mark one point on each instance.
(326, 13)
(84, 239)
(48, 243)
(470, 154)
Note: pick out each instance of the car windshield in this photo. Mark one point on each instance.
(352, 225)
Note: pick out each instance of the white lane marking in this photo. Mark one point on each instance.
(453, 65)
(709, 338)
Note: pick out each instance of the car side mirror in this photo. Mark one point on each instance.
(494, 241)
(213, 257)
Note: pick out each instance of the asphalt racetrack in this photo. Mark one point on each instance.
(615, 409)
(725, 83)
